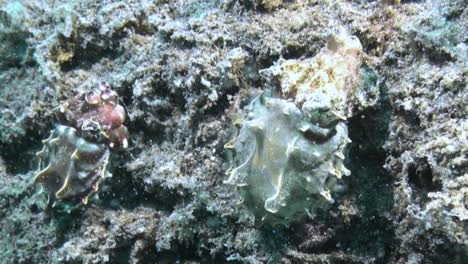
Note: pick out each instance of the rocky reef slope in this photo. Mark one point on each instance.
(182, 70)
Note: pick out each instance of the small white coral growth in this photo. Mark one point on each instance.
(288, 155)
(446, 208)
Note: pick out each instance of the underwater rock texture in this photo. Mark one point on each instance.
(183, 68)
(428, 138)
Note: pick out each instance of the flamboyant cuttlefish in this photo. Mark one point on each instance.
(75, 157)
(288, 154)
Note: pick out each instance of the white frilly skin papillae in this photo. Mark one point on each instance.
(280, 166)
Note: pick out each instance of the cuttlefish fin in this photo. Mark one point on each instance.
(42, 174)
(60, 193)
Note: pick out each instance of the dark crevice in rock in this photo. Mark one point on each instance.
(421, 178)
(411, 118)
(372, 233)
(265, 62)
(65, 223)
(19, 155)
(294, 52)
(182, 253)
(86, 58)
(122, 254)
